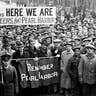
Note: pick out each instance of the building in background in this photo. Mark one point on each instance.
(90, 4)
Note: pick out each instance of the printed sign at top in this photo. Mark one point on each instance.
(27, 15)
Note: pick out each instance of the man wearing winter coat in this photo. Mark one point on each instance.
(87, 71)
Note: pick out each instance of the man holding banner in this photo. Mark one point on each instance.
(8, 76)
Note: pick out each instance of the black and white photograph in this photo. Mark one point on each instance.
(47, 47)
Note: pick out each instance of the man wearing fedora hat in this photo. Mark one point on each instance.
(87, 71)
(19, 53)
(72, 69)
(9, 79)
(44, 51)
(30, 51)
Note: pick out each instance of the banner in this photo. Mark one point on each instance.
(29, 73)
(49, 71)
(39, 73)
(27, 15)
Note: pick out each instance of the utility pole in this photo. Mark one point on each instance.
(10, 2)
(28, 3)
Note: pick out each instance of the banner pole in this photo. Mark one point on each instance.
(34, 58)
(10, 2)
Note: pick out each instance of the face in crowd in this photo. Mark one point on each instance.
(5, 60)
(68, 47)
(86, 42)
(21, 48)
(77, 52)
(8, 48)
(90, 50)
(44, 46)
(32, 43)
(57, 44)
(77, 42)
(48, 40)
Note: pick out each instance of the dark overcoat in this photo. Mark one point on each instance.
(29, 52)
(72, 69)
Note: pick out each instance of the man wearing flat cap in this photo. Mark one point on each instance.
(55, 49)
(85, 42)
(65, 78)
(77, 41)
(87, 71)
(8, 48)
(9, 79)
(30, 51)
(19, 53)
(72, 69)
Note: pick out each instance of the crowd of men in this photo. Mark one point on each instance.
(72, 39)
